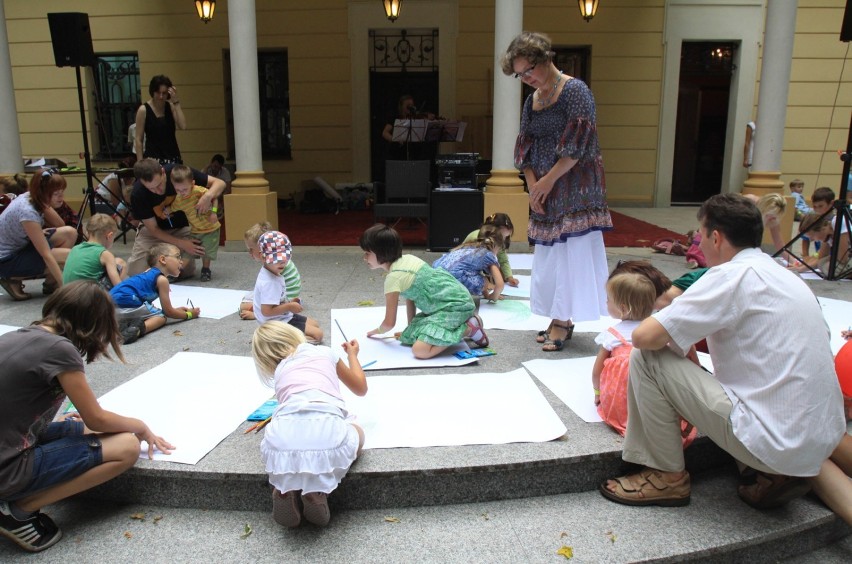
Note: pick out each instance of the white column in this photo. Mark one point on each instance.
(242, 29)
(11, 160)
(774, 82)
(504, 191)
(508, 22)
(251, 199)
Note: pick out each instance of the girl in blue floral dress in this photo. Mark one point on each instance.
(557, 150)
(474, 263)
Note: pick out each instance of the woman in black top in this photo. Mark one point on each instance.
(156, 121)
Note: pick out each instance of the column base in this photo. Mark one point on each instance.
(504, 193)
(250, 202)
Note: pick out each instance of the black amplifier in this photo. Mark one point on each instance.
(458, 169)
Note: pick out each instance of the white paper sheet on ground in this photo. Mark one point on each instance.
(516, 315)
(387, 353)
(838, 316)
(454, 409)
(7, 328)
(814, 276)
(522, 290)
(520, 261)
(215, 303)
(570, 379)
(193, 400)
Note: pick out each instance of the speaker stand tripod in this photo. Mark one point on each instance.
(838, 266)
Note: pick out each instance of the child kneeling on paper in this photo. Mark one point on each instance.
(93, 259)
(43, 461)
(270, 289)
(134, 297)
(311, 440)
(447, 312)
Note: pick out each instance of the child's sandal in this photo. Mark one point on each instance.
(476, 333)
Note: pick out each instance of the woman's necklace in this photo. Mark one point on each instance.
(544, 102)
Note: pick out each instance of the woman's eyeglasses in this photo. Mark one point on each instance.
(526, 74)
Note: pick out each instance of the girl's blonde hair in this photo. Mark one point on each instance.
(634, 292)
(273, 342)
(772, 203)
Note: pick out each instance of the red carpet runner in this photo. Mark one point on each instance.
(345, 228)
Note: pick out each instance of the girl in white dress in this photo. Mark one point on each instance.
(310, 443)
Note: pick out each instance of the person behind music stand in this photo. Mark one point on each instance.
(396, 151)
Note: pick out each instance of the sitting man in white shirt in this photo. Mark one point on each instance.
(773, 407)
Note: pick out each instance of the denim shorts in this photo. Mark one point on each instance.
(63, 452)
(26, 261)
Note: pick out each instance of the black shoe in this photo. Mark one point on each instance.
(205, 275)
(34, 534)
(132, 330)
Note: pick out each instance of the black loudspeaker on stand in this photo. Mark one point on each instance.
(452, 215)
(72, 47)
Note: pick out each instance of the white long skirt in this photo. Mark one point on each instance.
(569, 279)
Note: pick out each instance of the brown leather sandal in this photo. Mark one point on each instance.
(648, 488)
(773, 490)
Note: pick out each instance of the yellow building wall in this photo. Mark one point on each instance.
(820, 98)
(625, 39)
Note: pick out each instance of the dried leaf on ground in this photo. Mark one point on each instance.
(485, 516)
(157, 519)
(563, 534)
(246, 532)
(128, 534)
(611, 536)
(363, 303)
(139, 516)
(177, 333)
(391, 520)
(566, 551)
(185, 349)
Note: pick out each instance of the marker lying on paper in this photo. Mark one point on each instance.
(371, 363)
(341, 330)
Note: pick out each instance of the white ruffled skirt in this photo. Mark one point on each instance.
(308, 446)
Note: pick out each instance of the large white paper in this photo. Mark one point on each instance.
(520, 261)
(454, 409)
(522, 290)
(193, 400)
(387, 353)
(7, 328)
(570, 379)
(516, 315)
(215, 303)
(838, 316)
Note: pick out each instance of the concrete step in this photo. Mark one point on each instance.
(715, 527)
(232, 476)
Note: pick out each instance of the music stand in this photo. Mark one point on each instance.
(409, 131)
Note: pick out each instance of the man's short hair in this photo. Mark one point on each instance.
(735, 217)
(147, 169)
(219, 159)
(823, 194)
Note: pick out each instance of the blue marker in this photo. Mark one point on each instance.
(371, 363)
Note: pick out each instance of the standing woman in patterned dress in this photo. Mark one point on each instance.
(557, 150)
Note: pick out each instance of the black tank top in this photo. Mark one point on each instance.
(160, 140)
